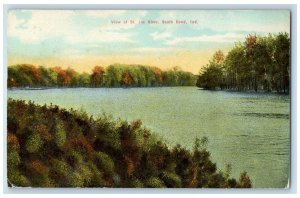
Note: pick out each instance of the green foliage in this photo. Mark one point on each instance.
(171, 180)
(96, 178)
(59, 167)
(116, 75)
(60, 135)
(74, 158)
(104, 162)
(154, 182)
(211, 77)
(83, 80)
(13, 158)
(135, 183)
(76, 179)
(260, 63)
(86, 175)
(34, 143)
(59, 148)
(15, 178)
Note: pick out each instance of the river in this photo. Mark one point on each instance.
(250, 131)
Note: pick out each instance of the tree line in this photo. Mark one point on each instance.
(259, 63)
(116, 75)
(52, 147)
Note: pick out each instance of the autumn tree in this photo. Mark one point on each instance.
(158, 75)
(218, 57)
(114, 75)
(127, 79)
(97, 76)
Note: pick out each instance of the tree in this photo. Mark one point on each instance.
(83, 80)
(260, 63)
(12, 79)
(49, 77)
(127, 79)
(249, 45)
(218, 57)
(158, 76)
(237, 71)
(113, 76)
(210, 77)
(97, 76)
(282, 62)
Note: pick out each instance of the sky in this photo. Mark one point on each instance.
(82, 39)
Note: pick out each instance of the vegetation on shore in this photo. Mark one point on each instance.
(260, 63)
(51, 147)
(116, 75)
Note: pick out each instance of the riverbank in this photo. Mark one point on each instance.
(52, 147)
(245, 91)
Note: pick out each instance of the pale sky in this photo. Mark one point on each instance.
(84, 38)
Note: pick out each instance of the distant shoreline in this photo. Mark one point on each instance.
(200, 89)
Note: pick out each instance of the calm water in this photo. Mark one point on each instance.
(249, 131)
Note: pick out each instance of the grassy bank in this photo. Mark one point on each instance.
(52, 147)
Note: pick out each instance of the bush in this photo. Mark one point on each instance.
(171, 180)
(135, 183)
(87, 174)
(13, 158)
(101, 153)
(96, 179)
(15, 178)
(76, 179)
(12, 141)
(154, 182)
(59, 169)
(38, 172)
(74, 158)
(34, 143)
(104, 162)
(60, 135)
(244, 181)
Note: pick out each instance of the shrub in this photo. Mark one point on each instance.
(74, 158)
(171, 180)
(60, 135)
(81, 143)
(37, 171)
(96, 179)
(33, 143)
(37, 168)
(43, 130)
(216, 181)
(15, 178)
(154, 182)
(101, 153)
(104, 162)
(13, 158)
(12, 141)
(135, 183)
(59, 169)
(244, 181)
(76, 179)
(86, 174)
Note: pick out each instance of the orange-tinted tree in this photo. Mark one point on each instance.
(97, 76)
(127, 79)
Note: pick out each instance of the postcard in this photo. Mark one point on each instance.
(148, 98)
